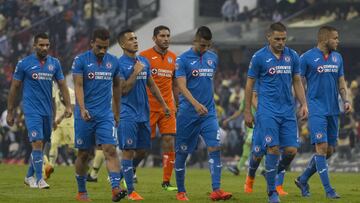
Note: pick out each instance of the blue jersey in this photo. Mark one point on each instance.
(134, 104)
(322, 76)
(37, 78)
(97, 82)
(274, 80)
(199, 71)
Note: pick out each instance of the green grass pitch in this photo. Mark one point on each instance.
(63, 187)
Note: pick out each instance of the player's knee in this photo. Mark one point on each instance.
(109, 152)
(213, 149)
(168, 143)
(330, 151)
(290, 151)
(37, 145)
(128, 154)
(273, 150)
(322, 149)
(83, 156)
(257, 158)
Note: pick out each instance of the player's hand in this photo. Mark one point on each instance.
(249, 119)
(167, 111)
(10, 118)
(303, 112)
(347, 107)
(117, 120)
(201, 109)
(85, 114)
(138, 67)
(68, 112)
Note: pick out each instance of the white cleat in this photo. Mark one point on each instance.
(43, 185)
(31, 182)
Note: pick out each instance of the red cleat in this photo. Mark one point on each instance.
(220, 195)
(135, 196)
(181, 196)
(249, 182)
(82, 197)
(280, 190)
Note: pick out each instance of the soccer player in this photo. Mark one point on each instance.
(63, 133)
(96, 76)
(322, 67)
(275, 67)
(36, 73)
(134, 128)
(195, 70)
(162, 66)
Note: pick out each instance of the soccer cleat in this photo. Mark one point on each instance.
(48, 171)
(181, 196)
(42, 184)
(234, 170)
(280, 190)
(134, 196)
(220, 195)
(118, 194)
(304, 187)
(82, 197)
(332, 195)
(91, 179)
(273, 197)
(168, 187)
(249, 182)
(31, 182)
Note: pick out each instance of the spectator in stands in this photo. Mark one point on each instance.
(352, 13)
(230, 10)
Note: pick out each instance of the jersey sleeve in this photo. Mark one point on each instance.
(77, 66)
(180, 68)
(117, 69)
(254, 67)
(121, 70)
(296, 63)
(19, 73)
(303, 65)
(58, 71)
(341, 67)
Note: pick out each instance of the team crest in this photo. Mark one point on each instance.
(272, 71)
(334, 59)
(50, 67)
(210, 62)
(287, 58)
(35, 76)
(183, 147)
(320, 69)
(268, 139)
(195, 73)
(154, 71)
(79, 141)
(33, 133)
(318, 136)
(91, 75)
(170, 60)
(108, 65)
(129, 141)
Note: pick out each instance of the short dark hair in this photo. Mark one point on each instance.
(204, 32)
(101, 33)
(157, 29)
(122, 34)
(41, 35)
(278, 26)
(324, 31)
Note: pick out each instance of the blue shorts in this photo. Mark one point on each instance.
(278, 131)
(97, 131)
(134, 135)
(257, 147)
(324, 129)
(189, 128)
(39, 127)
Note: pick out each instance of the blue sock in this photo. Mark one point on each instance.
(114, 179)
(215, 169)
(322, 169)
(37, 159)
(253, 166)
(81, 182)
(271, 166)
(284, 163)
(309, 171)
(127, 168)
(180, 159)
(31, 169)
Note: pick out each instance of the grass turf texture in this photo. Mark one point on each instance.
(64, 187)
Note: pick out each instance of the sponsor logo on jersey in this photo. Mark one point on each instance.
(327, 69)
(91, 75)
(279, 70)
(272, 70)
(320, 69)
(195, 73)
(35, 76)
(154, 71)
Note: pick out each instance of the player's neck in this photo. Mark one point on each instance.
(160, 51)
(130, 54)
(275, 52)
(323, 49)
